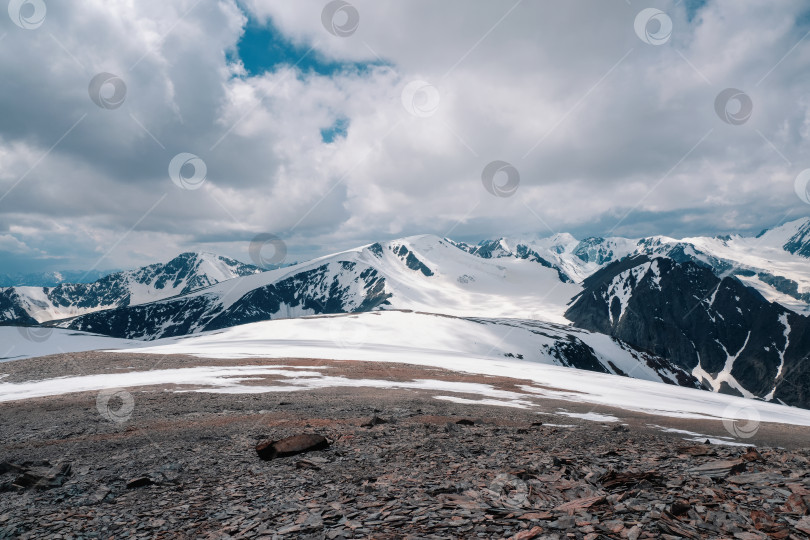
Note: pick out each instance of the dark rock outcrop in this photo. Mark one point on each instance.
(684, 313)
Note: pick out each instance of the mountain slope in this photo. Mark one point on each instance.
(794, 237)
(407, 334)
(338, 287)
(497, 249)
(573, 260)
(720, 330)
(420, 273)
(394, 334)
(775, 262)
(183, 274)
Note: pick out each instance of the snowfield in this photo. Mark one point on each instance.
(426, 340)
(400, 336)
(463, 345)
(17, 343)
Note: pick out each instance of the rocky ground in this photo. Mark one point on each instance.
(399, 464)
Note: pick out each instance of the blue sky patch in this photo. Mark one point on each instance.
(336, 130)
(264, 48)
(692, 7)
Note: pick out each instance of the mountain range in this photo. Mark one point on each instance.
(52, 279)
(725, 313)
(183, 274)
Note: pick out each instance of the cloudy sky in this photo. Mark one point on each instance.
(333, 124)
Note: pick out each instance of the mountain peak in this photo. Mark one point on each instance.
(560, 242)
(799, 243)
(201, 255)
(793, 236)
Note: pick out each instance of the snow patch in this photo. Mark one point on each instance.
(783, 318)
(621, 288)
(699, 437)
(592, 416)
(518, 404)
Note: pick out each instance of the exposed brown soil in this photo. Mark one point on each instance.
(193, 471)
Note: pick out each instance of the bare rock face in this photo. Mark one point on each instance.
(687, 315)
(291, 446)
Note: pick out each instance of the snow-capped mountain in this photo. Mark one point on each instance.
(52, 279)
(181, 275)
(422, 273)
(775, 262)
(798, 241)
(722, 331)
(497, 249)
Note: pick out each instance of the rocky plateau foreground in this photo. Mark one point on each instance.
(398, 463)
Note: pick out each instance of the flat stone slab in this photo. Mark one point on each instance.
(291, 446)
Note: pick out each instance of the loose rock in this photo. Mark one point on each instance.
(291, 446)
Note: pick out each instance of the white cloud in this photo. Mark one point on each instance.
(592, 117)
(10, 244)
